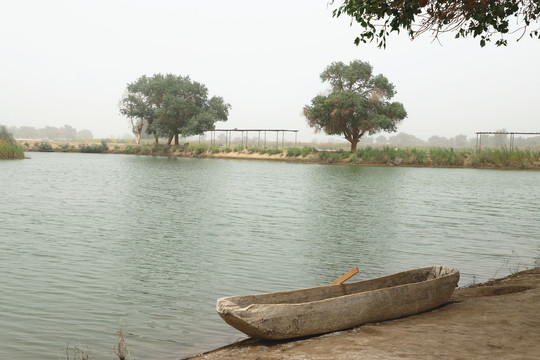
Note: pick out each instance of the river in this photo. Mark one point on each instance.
(89, 242)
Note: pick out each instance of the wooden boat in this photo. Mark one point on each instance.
(323, 309)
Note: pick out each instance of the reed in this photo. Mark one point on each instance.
(9, 148)
(120, 348)
(437, 157)
(78, 352)
(448, 156)
(504, 157)
(333, 156)
(11, 151)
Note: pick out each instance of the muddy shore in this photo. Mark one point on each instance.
(496, 320)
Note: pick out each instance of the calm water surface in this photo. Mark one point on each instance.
(90, 242)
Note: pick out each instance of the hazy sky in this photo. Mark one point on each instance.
(68, 62)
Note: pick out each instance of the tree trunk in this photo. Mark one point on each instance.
(137, 129)
(356, 138)
(169, 141)
(176, 139)
(155, 139)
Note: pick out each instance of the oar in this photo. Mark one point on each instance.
(345, 276)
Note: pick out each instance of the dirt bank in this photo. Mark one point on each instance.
(496, 320)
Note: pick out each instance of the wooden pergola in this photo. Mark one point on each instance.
(245, 140)
(512, 134)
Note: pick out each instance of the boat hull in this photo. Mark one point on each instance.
(305, 312)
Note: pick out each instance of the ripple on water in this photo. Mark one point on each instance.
(89, 242)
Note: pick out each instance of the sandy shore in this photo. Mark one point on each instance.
(496, 320)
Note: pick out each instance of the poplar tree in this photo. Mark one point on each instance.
(358, 103)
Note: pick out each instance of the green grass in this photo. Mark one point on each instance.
(11, 151)
(504, 157)
(433, 156)
(9, 148)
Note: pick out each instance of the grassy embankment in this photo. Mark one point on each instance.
(386, 155)
(9, 148)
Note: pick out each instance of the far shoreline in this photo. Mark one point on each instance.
(314, 156)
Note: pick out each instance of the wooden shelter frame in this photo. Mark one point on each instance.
(512, 134)
(228, 136)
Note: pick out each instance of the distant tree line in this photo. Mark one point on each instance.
(65, 132)
(459, 141)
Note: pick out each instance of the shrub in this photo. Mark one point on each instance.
(254, 149)
(67, 148)
(306, 150)
(273, 151)
(198, 148)
(94, 148)
(145, 150)
(159, 148)
(238, 148)
(44, 147)
(294, 152)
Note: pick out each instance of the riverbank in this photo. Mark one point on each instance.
(494, 158)
(496, 320)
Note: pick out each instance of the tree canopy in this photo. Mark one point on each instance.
(476, 18)
(171, 105)
(357, 104)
